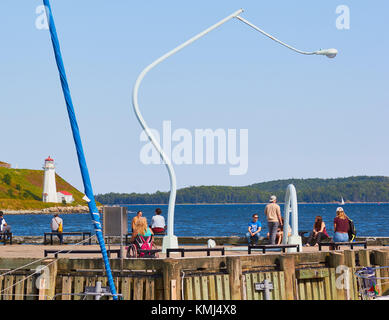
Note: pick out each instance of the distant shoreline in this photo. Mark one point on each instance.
(238, 203)
(85, 211)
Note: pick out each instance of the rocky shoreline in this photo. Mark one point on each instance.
(52, 210)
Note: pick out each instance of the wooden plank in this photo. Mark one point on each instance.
(159, 295)
(327, 288)
(173, 289)
(90, 282)
(138, 288)
(282, 285)
(126, 288)
(243, 286)
(254, 280)
(150, 289)
(147, 289)
(197, 289)
(268, 277)
(30, 289)
(321, 289)
(212, 288)
(204, 287)
(19, 288)
(334, 292)
(315, 289)
(261, 278)
(66, 288)
(301, 289)
(78, 287)
(8, 288)
(249, 287)
(311, 273)
(354, 287)
(276, 288)
(308, 290)
(227, 292)
(219, 287)
(188, 289)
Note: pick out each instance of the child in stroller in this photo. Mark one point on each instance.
(142, 239)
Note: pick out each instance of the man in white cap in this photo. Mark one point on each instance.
(273, 215)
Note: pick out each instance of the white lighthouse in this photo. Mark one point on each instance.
(49, 184)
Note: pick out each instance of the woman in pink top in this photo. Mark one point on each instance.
(318, 233)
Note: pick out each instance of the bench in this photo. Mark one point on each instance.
(84, 235)
(337, 245)
(264, 247)
(4, 236)
(56, 253)
(182, 251)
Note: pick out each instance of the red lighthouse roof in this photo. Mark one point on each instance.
(49, 159)
(65, 193)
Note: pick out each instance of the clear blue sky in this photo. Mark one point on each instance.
(306, 116)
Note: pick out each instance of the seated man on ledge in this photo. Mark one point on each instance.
(254, 229)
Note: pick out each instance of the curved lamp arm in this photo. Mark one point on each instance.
(330, 53)
(172, 176)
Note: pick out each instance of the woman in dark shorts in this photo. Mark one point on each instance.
(341, 226)
(318, 233)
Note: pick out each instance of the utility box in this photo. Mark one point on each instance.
(115, 221)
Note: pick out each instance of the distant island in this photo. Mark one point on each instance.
(351, 189)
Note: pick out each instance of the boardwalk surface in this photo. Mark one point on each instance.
(37, 251)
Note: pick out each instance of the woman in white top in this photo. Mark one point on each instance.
(158, 222)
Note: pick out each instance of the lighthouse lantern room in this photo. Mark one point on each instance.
(49, 183)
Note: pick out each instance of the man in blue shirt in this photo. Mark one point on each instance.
(254, 229)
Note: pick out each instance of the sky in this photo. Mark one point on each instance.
(306, 116)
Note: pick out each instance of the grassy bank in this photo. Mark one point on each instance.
(21, 189)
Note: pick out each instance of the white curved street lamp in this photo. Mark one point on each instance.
(170, 240)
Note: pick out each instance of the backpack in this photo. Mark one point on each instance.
(352, 232)
(146, 245)
(60, 227)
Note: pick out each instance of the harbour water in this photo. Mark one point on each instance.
(219, 220)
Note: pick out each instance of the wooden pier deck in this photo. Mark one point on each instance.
(307, 275)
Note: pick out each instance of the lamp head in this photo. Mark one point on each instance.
(329, 53)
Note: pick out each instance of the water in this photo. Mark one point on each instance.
(219, 220)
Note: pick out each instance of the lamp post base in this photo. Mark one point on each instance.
(294, 240)
(169, 242)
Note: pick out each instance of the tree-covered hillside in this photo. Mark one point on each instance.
(352, 189)
(22, 189)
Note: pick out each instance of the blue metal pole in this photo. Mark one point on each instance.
(80, 152)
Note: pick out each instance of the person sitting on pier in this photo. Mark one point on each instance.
(254, 229)
(4, 227)
(341, 226)
(57, 227)
(318, 233)
(158, 222)
(280, 232)
(135, 220)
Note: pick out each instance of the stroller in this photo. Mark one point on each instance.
(142, 243)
